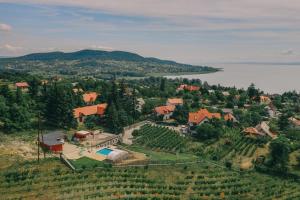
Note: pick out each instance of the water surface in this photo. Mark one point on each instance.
(269, 78)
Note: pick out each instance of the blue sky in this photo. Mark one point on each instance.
(191, 31)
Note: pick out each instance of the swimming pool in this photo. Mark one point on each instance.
(104, 151)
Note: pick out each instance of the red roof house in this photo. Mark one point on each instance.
(22, 85)
(82, 112)
(82, 135)
(90, 97)
(165, 111)
(52, 141)
(202, 115)
(175, 101)
(188, 87)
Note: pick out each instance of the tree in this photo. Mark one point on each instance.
(207, 131)
(279, 153)
(283, 121)
(59, 106)
(252, 91)
(34, 87)
(181, 113)
(162, 86)
(18, 119)
(113, 119)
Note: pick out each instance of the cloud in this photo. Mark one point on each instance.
(288, 52)
(5, 27)
(100, 47)
(11, 48)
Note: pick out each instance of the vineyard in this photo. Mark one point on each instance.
(159, 138)
(196, 182)
(232, 146)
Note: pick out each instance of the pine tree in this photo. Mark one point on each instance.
(113, 119)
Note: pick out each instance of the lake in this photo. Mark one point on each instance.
(269, 78)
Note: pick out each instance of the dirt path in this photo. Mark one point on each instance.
(127, 135)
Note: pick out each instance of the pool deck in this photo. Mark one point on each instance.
(74, 152)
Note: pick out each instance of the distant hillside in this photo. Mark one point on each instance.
(98, 63)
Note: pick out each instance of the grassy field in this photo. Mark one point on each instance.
(161, 155)
(51, 180)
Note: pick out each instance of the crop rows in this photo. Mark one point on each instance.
(200, 182)
(161, 138)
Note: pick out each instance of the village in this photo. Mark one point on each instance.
(181, 115)
(173, 128)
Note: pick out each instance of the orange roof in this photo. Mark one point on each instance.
(175, 101)
(163, 110)
(188, 87)
(229, 117)
(90, 97)
(199, 116)
(264, 99)
(98, 109)
(251, 130)
(22, 84)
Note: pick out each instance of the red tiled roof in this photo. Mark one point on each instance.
(98, 109)
(90, 97)
(163, 110)
(22, 84)
(188, 87)
(229, 117)
(251, 130)
(199, 116)
(175, 101)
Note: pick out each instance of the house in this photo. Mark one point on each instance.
(175, 102)
(89, 97)
(225, 93)
(295, 122)
(140, 104)
(22, 85)
(190, 88)
(82, 135)
(199, 117)
(77, 90)
(211, 91)
(261, 129)
(52, 141)
(272, 112)
(264, 99)
(227, 110)
(165, 111)
(81, 112)
(230, 117)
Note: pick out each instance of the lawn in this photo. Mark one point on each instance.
(161, 156)
(86, 162)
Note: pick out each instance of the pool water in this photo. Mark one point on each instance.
(104, 151)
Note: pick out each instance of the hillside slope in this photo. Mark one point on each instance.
(98, 63)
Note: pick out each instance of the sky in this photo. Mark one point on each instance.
(189, 31)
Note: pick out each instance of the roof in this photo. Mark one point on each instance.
(117, 154)
(188, 87)
(98, 109)
(264, 99)
(295, 121)
(51, 139)
(82, 133)
(163, 110)
(225, 93)
(227, 110)
(175, 101)
(22, 84)
(199, 116)
(251, 130)
(90, 97)
(229, 117)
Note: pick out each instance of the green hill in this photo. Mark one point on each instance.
(98, 63)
